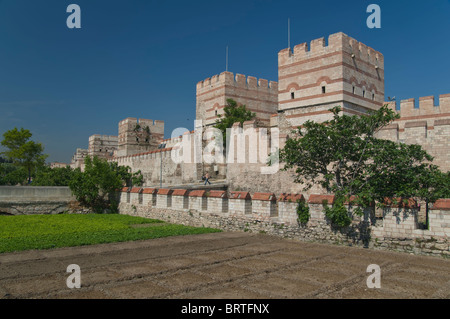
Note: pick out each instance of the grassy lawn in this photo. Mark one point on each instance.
(66, 230)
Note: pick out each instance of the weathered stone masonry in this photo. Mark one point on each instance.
(28, 200)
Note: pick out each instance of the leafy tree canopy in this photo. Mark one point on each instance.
(12, 175)
(96, 186)
(58, 176)
(233, 113)
(344, 157)
(22, 151)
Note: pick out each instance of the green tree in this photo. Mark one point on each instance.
(12, 175)
(96, 186)
(58, 176)
(22, 151)
(233, 113)
(129, 178)
(344, 157)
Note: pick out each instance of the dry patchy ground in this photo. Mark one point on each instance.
(228, 265)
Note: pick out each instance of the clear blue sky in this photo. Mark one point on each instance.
(141, 58)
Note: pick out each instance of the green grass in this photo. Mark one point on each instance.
(26, 232)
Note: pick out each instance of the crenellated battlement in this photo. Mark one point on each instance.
(259, 95)
(338, 42)
(426, 106)
(99, 137)
(132, 122)
(236, 80)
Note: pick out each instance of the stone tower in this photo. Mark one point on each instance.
(259, 96)
(315, 78)
(102, 146)
(139, 136)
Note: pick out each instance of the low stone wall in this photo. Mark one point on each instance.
(394, 228)
(398, 230)
(24, 200)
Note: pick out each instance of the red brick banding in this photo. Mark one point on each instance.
(329, 81)
(442, 122)
(416, 124)
(304, 61)
(250, 122)
(339, 92)
(390, 127)
(420, 117)
(325, 67)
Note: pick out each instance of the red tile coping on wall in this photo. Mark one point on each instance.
(217, 194)
(264, 196)
(125, 189)
(197, 193)
(164, 191)
(149, 191)
(291, 197)
(180, 192)
(400, 203)
(441, 204)
(352, 200)
(135, 190)
(240, 195)
(318, 199)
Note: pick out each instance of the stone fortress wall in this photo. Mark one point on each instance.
(312, 78)
(426, 123)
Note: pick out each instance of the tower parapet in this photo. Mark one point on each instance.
(259, 96)
(427, 107)
(102, 146)
(337, 42)
(424, 123)
(315, 77)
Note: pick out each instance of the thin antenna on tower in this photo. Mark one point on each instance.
(289, 33)
(226, 63)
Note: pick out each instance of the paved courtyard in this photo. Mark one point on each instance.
(228, 265)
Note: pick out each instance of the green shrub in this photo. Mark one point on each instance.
(303, 212)
(97, 185)
(338, 213)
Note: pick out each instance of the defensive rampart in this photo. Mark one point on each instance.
(394, 227)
